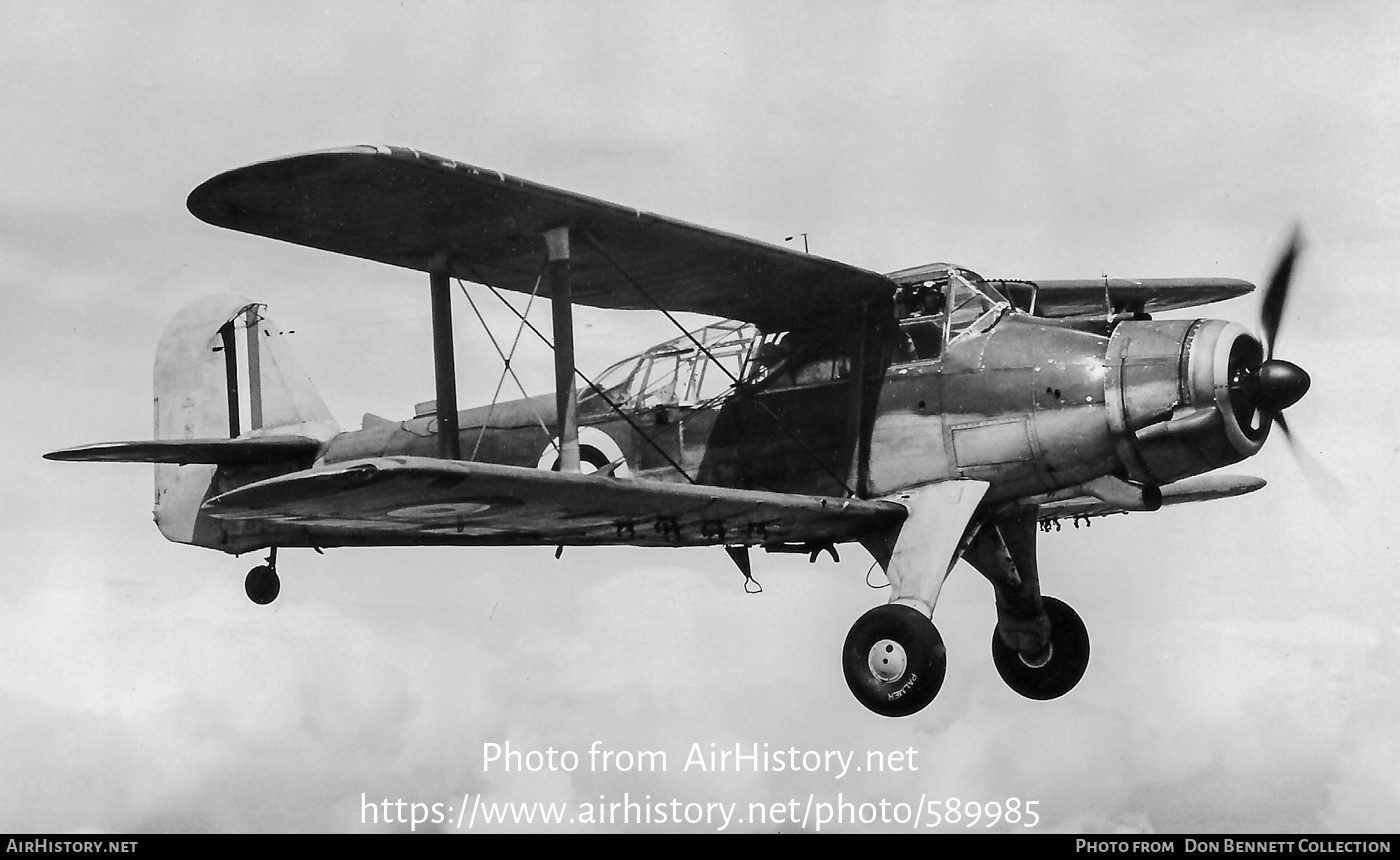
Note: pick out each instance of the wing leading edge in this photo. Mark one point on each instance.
(419, 499)
(419, 211)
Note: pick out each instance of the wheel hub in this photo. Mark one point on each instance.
(1040, 658)
(887, 660)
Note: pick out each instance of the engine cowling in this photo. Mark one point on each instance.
(1180, 399)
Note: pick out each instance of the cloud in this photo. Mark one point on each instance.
(1241, 676)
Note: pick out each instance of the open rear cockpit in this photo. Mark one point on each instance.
(694, 369)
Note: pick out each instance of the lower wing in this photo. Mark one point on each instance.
(1201, 488)
(413, 499)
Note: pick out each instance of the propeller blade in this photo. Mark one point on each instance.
(1325, 485)
(1274, 385)
(1276, 293)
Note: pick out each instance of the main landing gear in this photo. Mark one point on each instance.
(262, 583)
(894, 660)
(1040, 645)
(1055, 669)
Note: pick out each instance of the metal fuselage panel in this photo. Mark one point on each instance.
(1020, 406)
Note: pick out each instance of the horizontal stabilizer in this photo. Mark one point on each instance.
(1201, 488)
(426, 500)
(254, 451)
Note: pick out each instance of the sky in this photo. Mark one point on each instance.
(1242, 677)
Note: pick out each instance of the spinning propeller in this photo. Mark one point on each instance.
(1260, 383)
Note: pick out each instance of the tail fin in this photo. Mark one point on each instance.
(231, 407)
(224, 369)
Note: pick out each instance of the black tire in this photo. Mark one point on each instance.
(1069, 656)
(262, 585)
(871, 660)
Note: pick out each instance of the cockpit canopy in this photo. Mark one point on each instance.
(938, 303)
(936, 287)
(935, 304)
(678, 372)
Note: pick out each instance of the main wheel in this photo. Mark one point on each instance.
(262, 585)
(1054, 673)
(894, 660)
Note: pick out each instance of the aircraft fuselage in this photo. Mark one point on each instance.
(1030, 406)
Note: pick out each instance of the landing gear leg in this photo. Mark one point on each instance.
(894, 658)
(262, 583)
(1040, 645)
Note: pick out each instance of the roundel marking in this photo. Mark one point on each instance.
(596, 450)
(440, 511)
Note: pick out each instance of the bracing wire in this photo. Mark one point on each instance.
(700, 346)
(590, 383)
(506, 369)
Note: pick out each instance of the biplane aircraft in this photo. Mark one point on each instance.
(929, 414)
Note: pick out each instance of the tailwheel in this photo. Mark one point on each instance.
(262, 585)
(894, 660)
(1055, 670)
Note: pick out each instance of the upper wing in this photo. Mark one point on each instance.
(1201, 488)
(1072, 298)
(421, 499)
(419, 211)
